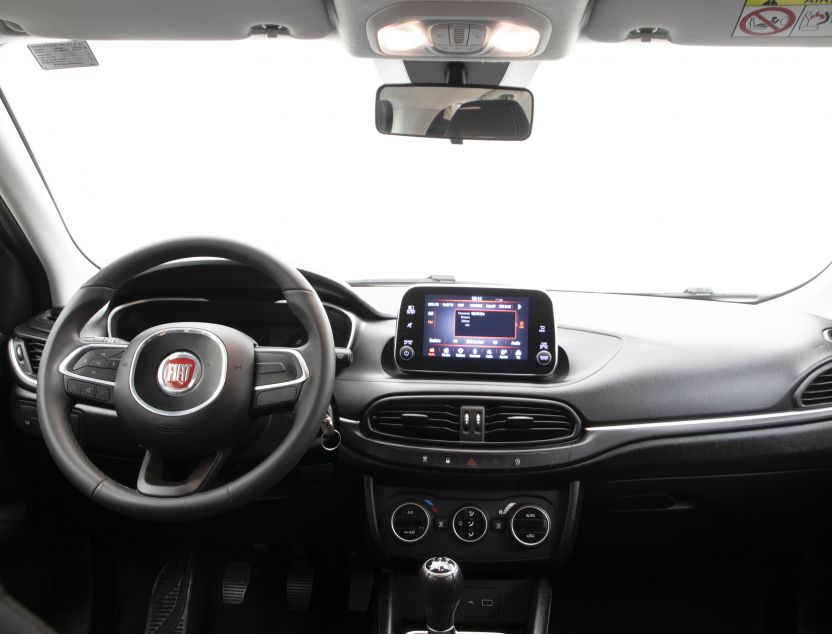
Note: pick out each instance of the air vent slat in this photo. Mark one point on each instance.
(35, 351)
(818, 391)
(509, 421)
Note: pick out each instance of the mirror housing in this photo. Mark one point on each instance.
(442, 111)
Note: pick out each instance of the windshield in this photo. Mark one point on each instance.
(650, 167)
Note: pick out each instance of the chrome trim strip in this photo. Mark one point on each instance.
(211, 399)
(808, 413)
(62, 368)
(121, 307)
(22, 376)
(458, 632)
(304, 370)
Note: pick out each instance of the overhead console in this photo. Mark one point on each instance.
(476, 330)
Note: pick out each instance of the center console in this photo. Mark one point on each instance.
(461, 479)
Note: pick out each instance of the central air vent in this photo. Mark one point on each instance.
(817, 390)
(417, 419)
(507, 421)
(523, 422)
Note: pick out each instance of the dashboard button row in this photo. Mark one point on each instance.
(476, 461)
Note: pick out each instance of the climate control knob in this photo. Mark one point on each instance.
(530, 525)
(410, 522)
(470, 524)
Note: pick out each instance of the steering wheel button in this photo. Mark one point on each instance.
(102, 393)
(88, 390)
(74, 386)
(277, 396)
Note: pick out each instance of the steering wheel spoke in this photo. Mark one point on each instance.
(165, 478)
(89, 371)
(279, 375)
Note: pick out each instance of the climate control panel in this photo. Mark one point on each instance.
(475, 528)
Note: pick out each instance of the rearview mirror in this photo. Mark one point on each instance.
(455, 112)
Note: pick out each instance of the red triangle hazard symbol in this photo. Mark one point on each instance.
(471, 462)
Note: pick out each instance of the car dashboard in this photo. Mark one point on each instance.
(606, 406)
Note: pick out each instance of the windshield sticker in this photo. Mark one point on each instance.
(785, 18)
(72, 54)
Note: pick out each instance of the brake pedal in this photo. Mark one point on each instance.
(299, 583)
(235, 582)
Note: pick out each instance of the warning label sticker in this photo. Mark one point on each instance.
(72, 54)
(785, 18)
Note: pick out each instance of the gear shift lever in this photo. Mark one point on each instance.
(440, 579)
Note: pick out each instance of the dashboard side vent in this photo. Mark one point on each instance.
(35, 351)
(507, 421)
(26, 353)
(817, 389)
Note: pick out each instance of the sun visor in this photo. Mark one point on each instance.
(715, 22)
(164, 19)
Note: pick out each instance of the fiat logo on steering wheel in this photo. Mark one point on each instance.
(179, 373)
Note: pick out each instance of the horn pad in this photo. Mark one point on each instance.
(184, 389)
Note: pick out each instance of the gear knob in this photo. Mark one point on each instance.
(440, 579)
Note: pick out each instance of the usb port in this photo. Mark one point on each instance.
(487, 603)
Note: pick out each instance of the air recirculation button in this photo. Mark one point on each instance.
(530, 525)
(410, 522)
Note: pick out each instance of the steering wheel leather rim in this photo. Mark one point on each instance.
(54, 404)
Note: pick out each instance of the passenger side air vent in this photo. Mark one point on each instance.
(817, 389)
(476, 420)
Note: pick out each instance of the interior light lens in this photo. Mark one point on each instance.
(404, 37)
(514, 39)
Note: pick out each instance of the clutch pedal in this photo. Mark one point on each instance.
(172, 591)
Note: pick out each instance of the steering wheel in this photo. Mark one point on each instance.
(186, 392)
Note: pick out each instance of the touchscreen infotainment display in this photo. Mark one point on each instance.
(476, 330)
(476, 327)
